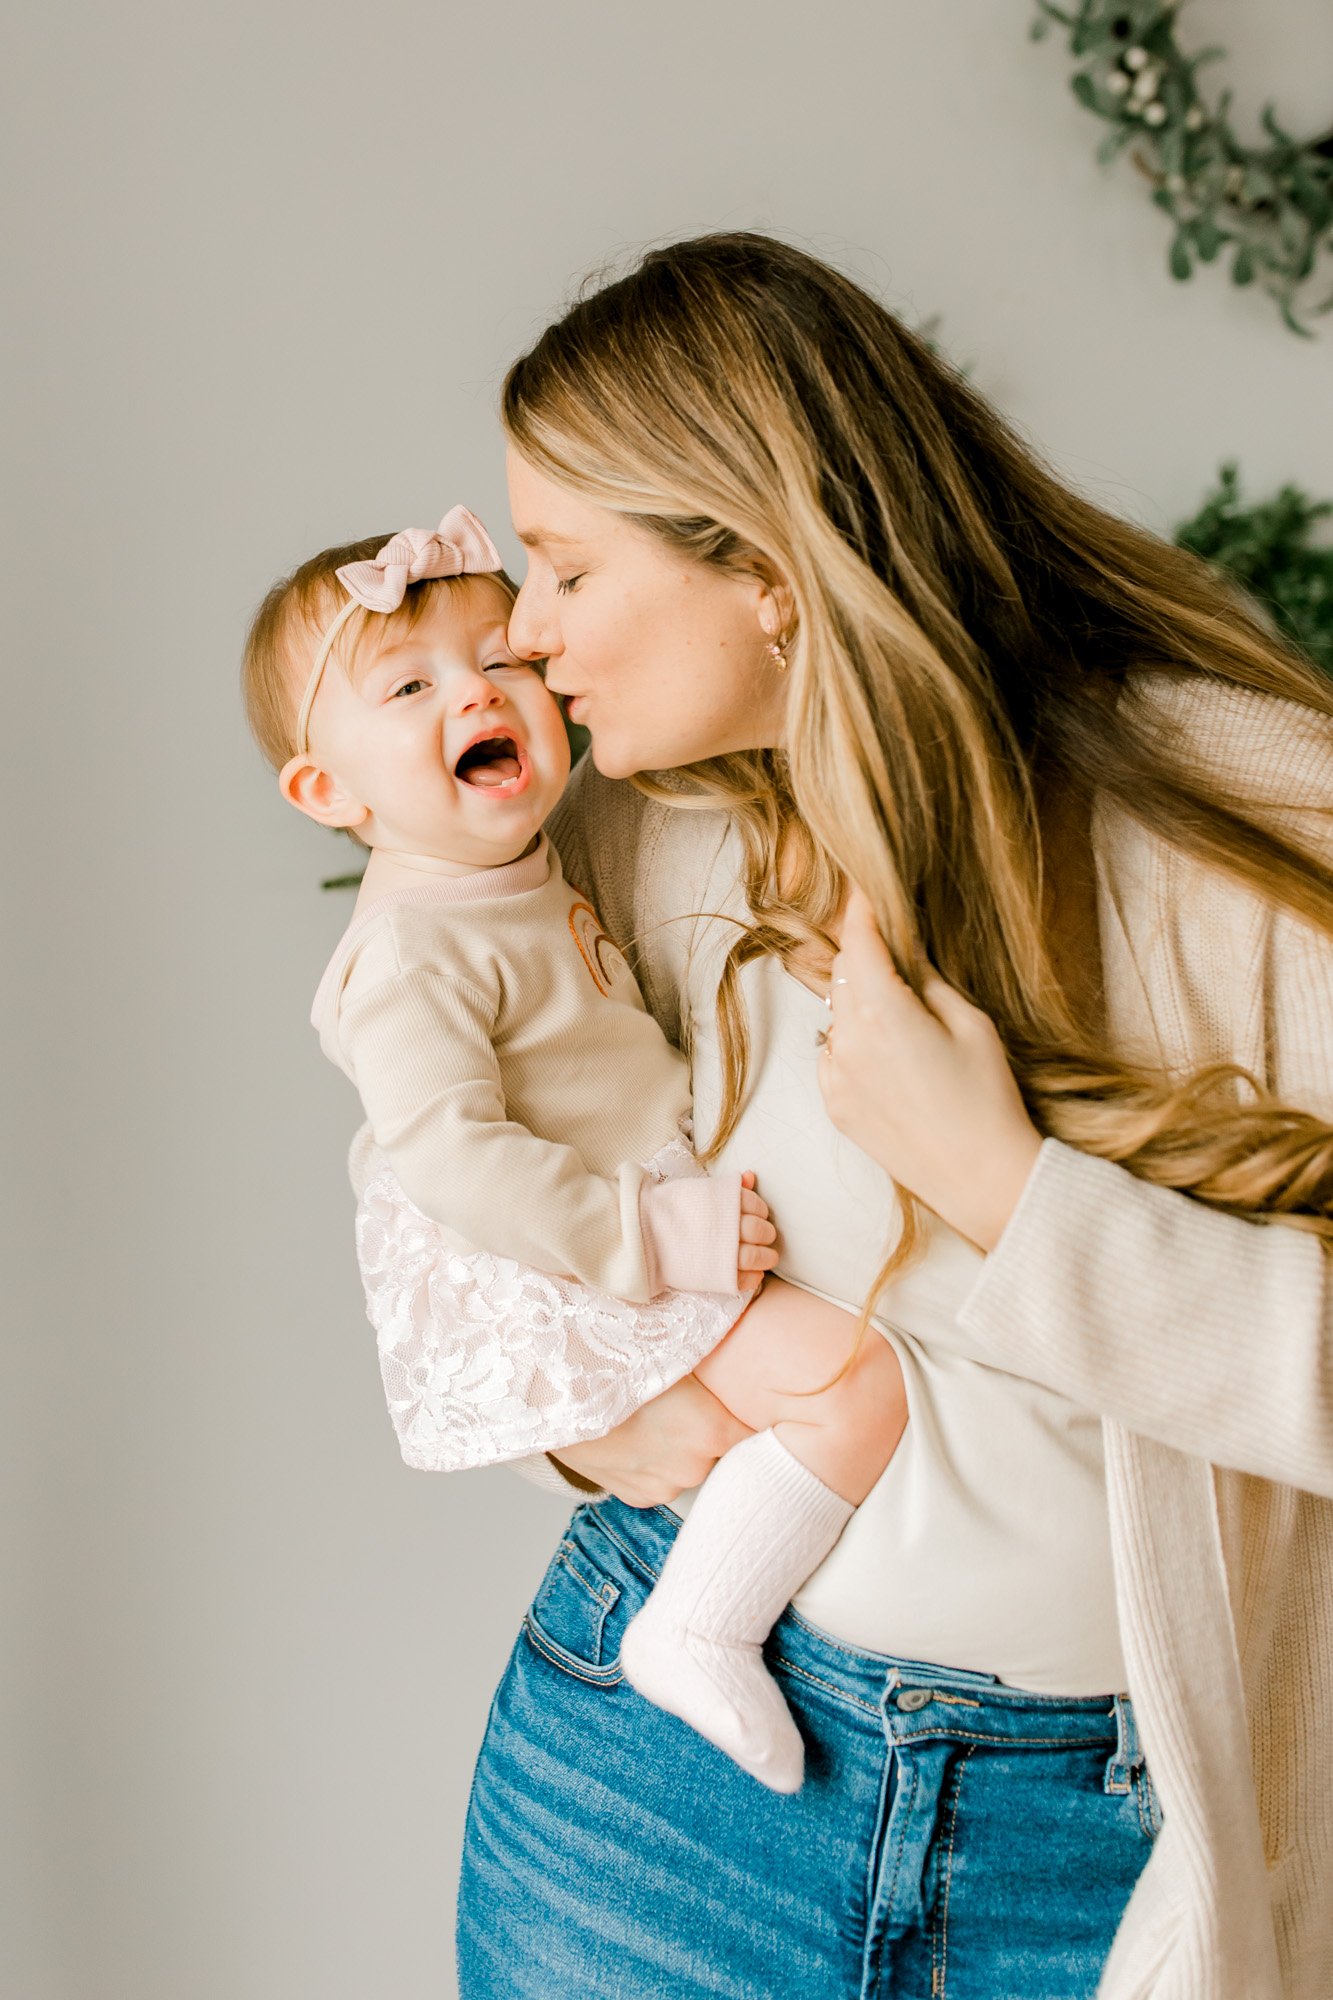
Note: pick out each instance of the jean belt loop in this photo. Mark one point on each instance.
(1126, 1758)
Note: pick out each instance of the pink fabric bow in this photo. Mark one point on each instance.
(460, 546)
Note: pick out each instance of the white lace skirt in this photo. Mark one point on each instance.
(484, 1359)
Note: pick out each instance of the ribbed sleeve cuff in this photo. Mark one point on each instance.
(691, 1233)
(1005, 1307)
(542, 1470)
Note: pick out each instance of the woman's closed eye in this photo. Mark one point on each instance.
(564, 584)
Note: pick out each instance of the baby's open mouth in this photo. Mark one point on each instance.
(491, 763)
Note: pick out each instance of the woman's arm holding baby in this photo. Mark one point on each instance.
(788, 1364)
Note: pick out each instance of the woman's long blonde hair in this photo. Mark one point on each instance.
(964, 628)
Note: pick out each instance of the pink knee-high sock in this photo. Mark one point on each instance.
(761, 1524)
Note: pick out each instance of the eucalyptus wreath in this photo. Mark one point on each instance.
(1270, 207)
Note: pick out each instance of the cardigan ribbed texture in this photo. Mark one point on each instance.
(1205, 1344)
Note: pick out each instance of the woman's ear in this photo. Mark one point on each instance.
(318, 794)
(777, 609)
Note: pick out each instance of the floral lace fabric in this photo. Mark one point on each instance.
(484, 1359)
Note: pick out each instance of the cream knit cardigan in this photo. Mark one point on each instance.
(1204, 1342)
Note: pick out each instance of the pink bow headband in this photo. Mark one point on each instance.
(460, 546)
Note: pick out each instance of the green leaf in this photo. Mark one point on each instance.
(1082, 86)
(1181, 267)
(1273, 550)
(1208, 238)
(1088, 35)
(1242, 267)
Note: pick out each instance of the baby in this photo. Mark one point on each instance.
(520, 1095)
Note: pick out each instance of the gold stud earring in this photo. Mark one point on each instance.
(776, 648)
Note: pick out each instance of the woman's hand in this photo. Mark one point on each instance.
(927, 1090)
(664, 1449)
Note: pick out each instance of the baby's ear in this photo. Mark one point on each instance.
(318, 794)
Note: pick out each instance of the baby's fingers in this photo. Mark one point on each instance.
(753, 1204)
(758, 1229)
(756, 1257)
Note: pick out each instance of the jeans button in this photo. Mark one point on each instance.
(914, 1698)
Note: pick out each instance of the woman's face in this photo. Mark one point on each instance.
(663, 659)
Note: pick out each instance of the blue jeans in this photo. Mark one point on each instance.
(954, 1839)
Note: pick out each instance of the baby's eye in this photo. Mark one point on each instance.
(408, 687)
(564, 584)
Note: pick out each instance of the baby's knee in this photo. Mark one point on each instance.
(872, 1396)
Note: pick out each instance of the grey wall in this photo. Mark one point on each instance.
(275, 259)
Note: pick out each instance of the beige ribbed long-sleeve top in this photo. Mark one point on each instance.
(515, 1081)
(1204, 1344)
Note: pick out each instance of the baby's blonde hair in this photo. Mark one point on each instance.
(280, 645)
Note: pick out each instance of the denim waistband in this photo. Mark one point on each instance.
(916, 1699)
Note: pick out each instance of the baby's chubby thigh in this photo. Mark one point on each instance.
(789, 1364)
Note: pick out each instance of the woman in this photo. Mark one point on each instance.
(776, 546)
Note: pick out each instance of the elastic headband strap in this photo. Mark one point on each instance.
(317, 675)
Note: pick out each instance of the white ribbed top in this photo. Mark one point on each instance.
(998, 1482)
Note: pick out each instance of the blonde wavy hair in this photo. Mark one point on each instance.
(964, 626)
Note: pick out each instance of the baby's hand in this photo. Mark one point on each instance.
(756, 1254)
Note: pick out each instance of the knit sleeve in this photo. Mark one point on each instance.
(1203, 1331)
(1200, 1330)
(552, 1477)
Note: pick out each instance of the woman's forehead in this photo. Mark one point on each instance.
(547, 516)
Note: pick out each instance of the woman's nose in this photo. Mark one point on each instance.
(530, 633)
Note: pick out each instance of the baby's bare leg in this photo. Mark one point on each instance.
(789, 1340)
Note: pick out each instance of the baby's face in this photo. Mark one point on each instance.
(450, 742)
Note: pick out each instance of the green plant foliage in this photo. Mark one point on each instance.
(1270, 550)
(1269, 207)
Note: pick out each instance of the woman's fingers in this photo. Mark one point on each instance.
(923, 1084)
(863, 973)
